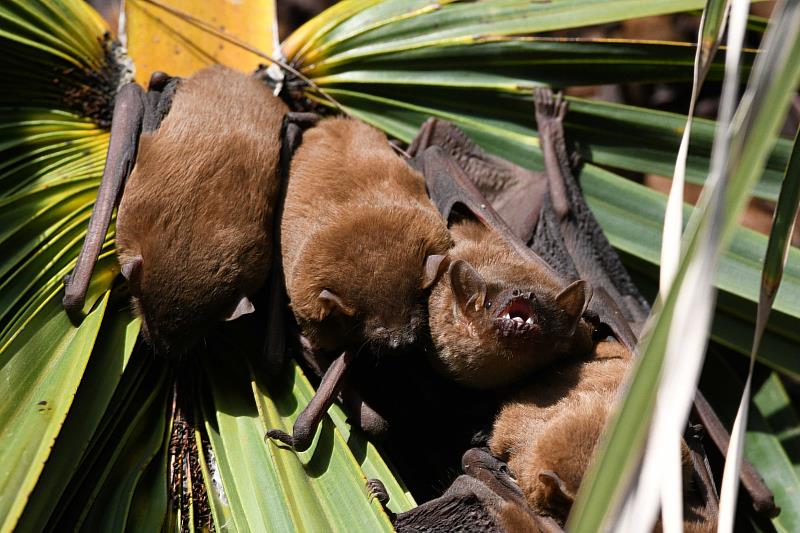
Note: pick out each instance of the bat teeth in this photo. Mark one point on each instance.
(529, 321)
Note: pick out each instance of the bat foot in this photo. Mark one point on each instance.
(300, 440)
(377, 490)
(549, 108)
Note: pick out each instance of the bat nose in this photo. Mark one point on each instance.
(396, 338)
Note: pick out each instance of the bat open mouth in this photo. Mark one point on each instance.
(517, 316)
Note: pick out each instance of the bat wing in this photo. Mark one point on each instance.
(515, 192)
(483, 500)
(134, 112)
(451, 189)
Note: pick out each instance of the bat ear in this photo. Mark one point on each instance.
(469, 288)
(555, 489)
(434, 266)
(132, 271)
(330, 301)
(243, 307)
(573, 301)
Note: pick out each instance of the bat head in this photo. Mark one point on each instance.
(370, 286)
(492, 327)
(178, 306)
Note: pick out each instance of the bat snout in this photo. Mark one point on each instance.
(518, 316)
(396, 338)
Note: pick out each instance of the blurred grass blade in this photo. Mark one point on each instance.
(777, 254)
(774, 78)
(683, 354)
(786, 213)
(712, 24)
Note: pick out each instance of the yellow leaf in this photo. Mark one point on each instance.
(161, 39)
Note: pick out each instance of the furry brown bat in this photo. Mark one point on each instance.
(548, 431)
(564, 232)
(194, 227)
(495, 318)
(361, 241)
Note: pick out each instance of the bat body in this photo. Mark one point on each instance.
(495, 317)
(548, 432)
(360, 239)
(194, 226)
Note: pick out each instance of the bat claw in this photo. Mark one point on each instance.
(377, 491)
(279, 435)
(549, 108)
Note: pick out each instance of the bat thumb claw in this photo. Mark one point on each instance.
(282, 436)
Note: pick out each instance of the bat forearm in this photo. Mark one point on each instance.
(125, 129)
(306, 424)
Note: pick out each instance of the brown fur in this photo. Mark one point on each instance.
(470, 348)
(198, 205)
(358, 223)
(554, 423)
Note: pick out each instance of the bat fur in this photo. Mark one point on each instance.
(549, 429)
(495, 318)
(360, 239)
(194, 227)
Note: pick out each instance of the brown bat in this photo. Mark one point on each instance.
(549, 430)
(361, 240)
(564, 232)
(495, 317)
(199, 163)
(361, 244)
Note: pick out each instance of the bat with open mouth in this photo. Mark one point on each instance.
(496, 318)
(361, 244)
(194, 165)
(561, 230)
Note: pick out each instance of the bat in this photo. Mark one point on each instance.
(495, 318)
(548, 430)
(194, 165)
(557, 232)
(359, 237)
(361, 244)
